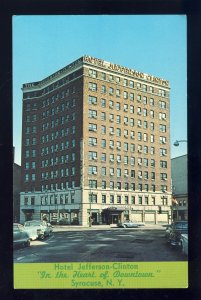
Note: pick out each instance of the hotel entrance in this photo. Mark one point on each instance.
(112, 215)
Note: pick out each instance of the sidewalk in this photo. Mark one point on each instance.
(58, 228)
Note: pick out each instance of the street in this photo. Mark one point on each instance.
(100, 245)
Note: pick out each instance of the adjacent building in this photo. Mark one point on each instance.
(180, 188)
(96, 145)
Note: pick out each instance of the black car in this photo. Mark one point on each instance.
(177, 228)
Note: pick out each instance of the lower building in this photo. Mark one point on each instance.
(179, 188)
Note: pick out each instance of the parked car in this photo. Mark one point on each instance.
(20, 236)
(127, 224)
(38, 229)
(167, 230)
(184, 243)
(177, 228)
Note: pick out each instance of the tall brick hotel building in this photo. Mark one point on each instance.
(96, 145)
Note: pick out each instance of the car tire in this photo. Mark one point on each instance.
(27, 243)
(124, 226)
(42, 237)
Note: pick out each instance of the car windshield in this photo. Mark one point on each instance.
(15, 228)
(35, 223)
(181, 225)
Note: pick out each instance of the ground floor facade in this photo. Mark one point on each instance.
(87, 207)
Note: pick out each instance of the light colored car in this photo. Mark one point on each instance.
(38, 229)
(128, 224)
(20, 236)
(184, 243)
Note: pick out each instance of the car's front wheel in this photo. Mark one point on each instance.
(42, 236)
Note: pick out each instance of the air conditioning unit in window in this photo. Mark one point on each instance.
(94, 172)
(132, 137)
(111, 173)
(139, 163)
(118, 160)
(111, 147)
(139, 176)
(139, 151)
(118, 147)
(94, 158)
(125, 175)
(111, 159)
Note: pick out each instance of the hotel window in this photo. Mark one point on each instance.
(73, 157)
(92, 155)
(152, 138)
(118, 145)
(111, 199)
(139, 98)
(111, 171)
(92, 170)
(152, 150)
(145, 124)
(164, 188)
(162, 128)
(145, 175)
(67, 172)
(112, 185)
(118, 132)
(126, 198)
(111, 104)
(125, 146)
(111, 91)
(103, 129)
(27, 118)
(118, 79)
(132, 161)
(145, 149)
(33, 165)
(103, 157)
(139, 199)
(62, 172)
(152, 175)
(139, 162)
(103, 89)
(125, 133)
(131, 96)
(132, 84)
(34, 152)
(118, 199)
(163, 164)
(131, 122)
(161, 93)
(92, 127)
(144, 99)
(103, 76)
(92, 73)
(162, 104)
(103, 198)
(73, 129)
(117, 93)
(164, 201)
(112, 157)
(103, 171)
(132, 173)
(92, 198)
(162, 116)
(92, 141)
(103, 143)
(92, 114)
(103, 102)
(118, 119)
(132, 135)
(111, 144)
(151, 89)
(146, 199)
(125, 107)
(103, 116)
(33, 177)
(132, 109)
(92, 86)
(92, 100)
(145, 137)
(125, 160)
(27, 165)
(153, 163)
(93, 184)
(118, 172)
(125, 82)
(145, 162)
(139, 136)
(139, 111)
(33, 141)
(151, 125)
(126, 120)
(153, 187)
(118, 106)
(163, 152)
(144, 87)
(151, 113)
(111, 130)
(132, 147)
(132, 199)
(118, 158)
(103, 184)
(34, 129)
(126, 173)
(27, 142)
(125, 95)
(111, 77)
(162, 140)
(151, 101)
(163, 176)
(138, 85)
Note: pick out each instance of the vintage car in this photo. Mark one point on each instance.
(38, 229)
(20, 236)
(176, 230)
(128, 224)
(184, 243)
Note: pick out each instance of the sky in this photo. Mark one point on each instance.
(152, 44)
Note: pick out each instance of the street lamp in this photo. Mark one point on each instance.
(176, 143)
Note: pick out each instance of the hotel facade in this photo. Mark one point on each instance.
(96, 146)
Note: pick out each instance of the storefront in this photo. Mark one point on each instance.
(112, 215)
(28, 214)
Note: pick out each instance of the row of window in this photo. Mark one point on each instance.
(125, 82)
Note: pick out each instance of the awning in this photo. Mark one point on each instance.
(28, 210)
